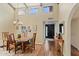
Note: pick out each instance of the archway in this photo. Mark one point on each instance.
(69, 22)
(75, 33)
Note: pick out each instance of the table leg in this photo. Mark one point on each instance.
(7, 46)
(22, 47)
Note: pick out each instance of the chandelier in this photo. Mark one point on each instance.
(17, 20)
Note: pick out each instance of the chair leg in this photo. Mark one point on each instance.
(34, 47)
(9, 48)
(31, 50)
(15, 49)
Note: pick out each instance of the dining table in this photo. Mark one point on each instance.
(23, 40)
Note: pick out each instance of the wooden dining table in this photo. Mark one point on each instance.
(23, 40)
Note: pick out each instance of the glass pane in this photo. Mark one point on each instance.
(47, 9)
(33, 11)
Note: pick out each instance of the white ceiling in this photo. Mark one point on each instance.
(33, 4)
(15, 5)
(20, 5)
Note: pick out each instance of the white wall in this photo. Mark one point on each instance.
(75, 33)
(6, 18)
(75, 29)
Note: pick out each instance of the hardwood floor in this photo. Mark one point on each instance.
(36, 52)
(39, 51)
(74, 51)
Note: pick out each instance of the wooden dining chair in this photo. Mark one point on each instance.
(61, 44)
(58, 47)
(33, 40)
(31, 44)
(4, 38)
(12, 44)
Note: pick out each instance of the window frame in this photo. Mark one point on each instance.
(34, 12)
(50, 9)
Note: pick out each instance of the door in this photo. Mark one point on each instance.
(49, 30)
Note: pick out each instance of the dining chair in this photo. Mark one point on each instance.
(12, 44)
(58, 46)
(4, 38)
(31, 45)
(61, 43)
(33, 41)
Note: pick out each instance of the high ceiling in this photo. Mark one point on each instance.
(76, 14)
(20, 5)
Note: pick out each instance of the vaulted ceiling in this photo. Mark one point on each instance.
(26, 5)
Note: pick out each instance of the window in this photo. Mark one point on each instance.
(61, 28)
(33, 10)
(21, 11)
(47, 9)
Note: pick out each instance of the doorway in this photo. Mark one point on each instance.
(49, 31)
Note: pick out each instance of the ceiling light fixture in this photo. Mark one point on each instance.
(17, 21)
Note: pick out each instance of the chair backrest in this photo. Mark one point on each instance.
(59, 46)
(33, 39)
(4, 35)
(11, 38)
